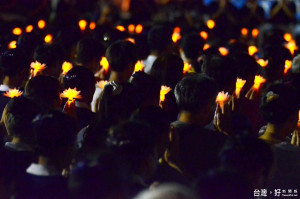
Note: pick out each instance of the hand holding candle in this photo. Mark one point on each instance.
(71, 94)
(102, 84)
(66, 66)
(12, 93)
(36, 68)
(238, 86)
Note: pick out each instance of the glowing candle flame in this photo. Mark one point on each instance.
(177, 29)
(210, 24)
(223, 51)
(104, 63)
(163, 91)
(11, 93)
(258, 80)
(244, 31)
(82, 24)
(29, 28)
(132, 40)
(102, 84)
(48, 38)
(12, 45)
(176, 37)
(92, 26)
(139, 66)
(120, 28)
(287, 66)
(239, 85)
(186, 67)
(17, 31)
(131, 28)
(41, 24)
(138, 29)
(255, 32)
(66, 67)
(206, 46)
(36, 67)
(291, 45)
(287, 37)
(222, 98)
(71, 94)
(252, 50)
(263, 63)
(204, 35)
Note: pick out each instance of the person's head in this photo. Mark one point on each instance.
(52, 55)
(168, 69)
(89, 53)
(280, 105)
(148, 87)
(20, 113)
(134, 143)
(160, 39)
(192, 45)
(121, 56)
(222, 69)
(296, 64)
(44, 91)
(56, 135)
(83, 80)
(196, 94)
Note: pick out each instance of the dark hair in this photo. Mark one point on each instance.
(89, 49)
(43, 90)
(120, 55)
(279, 102)
(195, 91)
(168, 69)
(159, 38)
(192, 45)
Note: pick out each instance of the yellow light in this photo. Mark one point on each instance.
(92, 26)
(210, 24)
(287, 66)
(263, 63)
(223, 51)
(29, 28)
(139, 66)
(104, 63)
(131, 28)
(102, 84)
(244, 31)
(176, 37)
(186, 67)
(163, 91)
(287, 37)
(41, 24)
(222, 98)
(258, 80)
(206, 46)
(139, 29)
(252, 50)
(239, 85)
(66, 67)
(291, 45)
(17, 31)
(120, 28)
(255, 32)
(36, 67)
(82, 24)
(12, 93)
(132, 40)
(48, 38)
(71, 94)
(12, 45)
(204, 35)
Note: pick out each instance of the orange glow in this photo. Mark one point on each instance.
(287, 37)
(186, 67)
(71, 94)
(48, 38)
(17, 31)
(131, 28)
(252, 50)
(29, 28)
(11, 93)
(223, 51)
(255, 32)
(41, 24)
(139, 29)
(125, 5)
(36, 67)
(222, 98)
(258, 80)
(244, 31)
(206, 46)
(132, 40)
(299, 120)
(120, 28)
(104, 63)
(82, 24)
(163, 91)
(177, 29)
(263, 63)
(92, 26)
(291, 45)
(12, 45)
(176, 37)
(102, 84)
(239, 85)
(66, 66)
(287, 66)
(139, 66)
(204, 35)
(210, 24)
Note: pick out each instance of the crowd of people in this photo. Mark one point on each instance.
(143, 99)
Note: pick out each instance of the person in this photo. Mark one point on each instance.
(55, 135)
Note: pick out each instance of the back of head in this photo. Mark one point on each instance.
(192, 45)
(168, 69)
(194, 92)
(44, 91)
(89, 49)
(121, 55)
(280, 102)
(160, 38)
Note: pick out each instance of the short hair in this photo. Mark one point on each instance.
(89, 49)
(43, 90)
(49, 54)
(159, 38)
(279, 102)
(54, 130)
(192, 45)
(120, 55)
(195, 91)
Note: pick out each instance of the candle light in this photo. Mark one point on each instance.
(66, 66)
(101, 84)
(176, 34)
(258, 80)
(41, 24)
(29, 28)
(287, 66)
(104, 63)
(12, 45)
(255, 32)
(222, 98)
(244, 31)
(210, 24)
(139, 29)
(82, 24)
(36, 67)
(291, 45)
(131, 28)
(48, 38)
(186, 68)
(223, 51)
(252, 50)
(163, 91)
(287, 37)
(120, 28)
(239, 85)
(139, 66)
(204, 35)
(132, 40)
(263, 63)
(206, 46)
(92, 26)
(12, 93)
(71, 94)
(17, 31)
